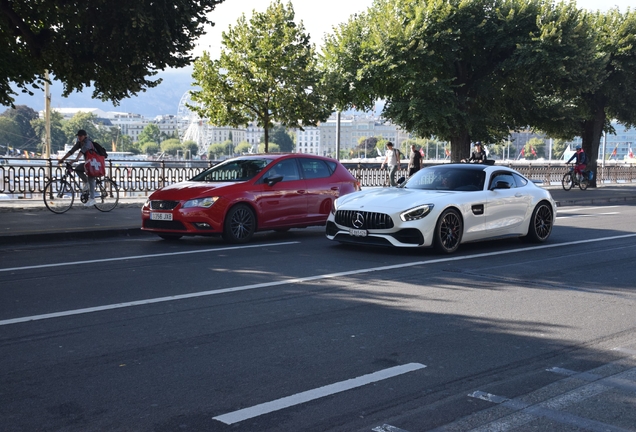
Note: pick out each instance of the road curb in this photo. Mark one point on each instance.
(587, 201)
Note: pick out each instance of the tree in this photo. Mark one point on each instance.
(459, 70)
(23, 115)
(10, 136)
(113, 45)
(58, 137)
(614, 94)
(280, 136)
(171, 146)
(215, 151)
(150, 133)
(81, 120)
(190, 149)
(275, 148)
(267, 72)
(150, 148)
(243, 147)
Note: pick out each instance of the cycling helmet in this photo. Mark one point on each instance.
(578, 147)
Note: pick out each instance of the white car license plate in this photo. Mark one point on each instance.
(357, 232)
(161, 216)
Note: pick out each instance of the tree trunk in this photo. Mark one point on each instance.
(460, 146)
(592, 132)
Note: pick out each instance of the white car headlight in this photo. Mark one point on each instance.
(200, 202)
(334, 206)
(416, 213)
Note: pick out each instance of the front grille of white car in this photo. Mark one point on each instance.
(363, 220)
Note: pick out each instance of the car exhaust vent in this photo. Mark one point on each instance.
(363, 220)
(163, 205)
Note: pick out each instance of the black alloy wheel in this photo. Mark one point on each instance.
(240, 224)
(448, 232)
(541, 223)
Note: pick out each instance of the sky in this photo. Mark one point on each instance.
(319, 17)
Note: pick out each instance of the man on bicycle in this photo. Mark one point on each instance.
(581, 162)
(83, 144)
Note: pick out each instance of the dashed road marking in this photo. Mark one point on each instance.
(299, 398)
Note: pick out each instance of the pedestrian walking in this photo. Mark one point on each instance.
(392, 161)
(415, 160)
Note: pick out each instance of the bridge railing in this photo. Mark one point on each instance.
(23, 177)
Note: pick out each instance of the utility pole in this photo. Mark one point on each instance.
(338, 135)
(47, 117)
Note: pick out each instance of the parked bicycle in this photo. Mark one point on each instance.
(60, 193)
(570, 179)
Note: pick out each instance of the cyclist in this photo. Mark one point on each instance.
(581, 162)
(83, 144)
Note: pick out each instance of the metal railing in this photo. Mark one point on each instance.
(23, 178)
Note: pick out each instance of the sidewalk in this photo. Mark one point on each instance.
(28, 220)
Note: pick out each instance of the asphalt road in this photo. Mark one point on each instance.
(294, 333)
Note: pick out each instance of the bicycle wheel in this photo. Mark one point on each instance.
(106, 195)
(584, 183)
(567, 181)
(58, 196)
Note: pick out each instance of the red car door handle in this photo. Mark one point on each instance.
(301, 192)
(335, 188)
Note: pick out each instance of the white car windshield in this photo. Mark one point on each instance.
(451, 178)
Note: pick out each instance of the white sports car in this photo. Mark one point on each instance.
(443, 206)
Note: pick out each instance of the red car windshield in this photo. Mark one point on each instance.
(233, 170)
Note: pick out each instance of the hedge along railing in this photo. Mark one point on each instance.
(135, 178)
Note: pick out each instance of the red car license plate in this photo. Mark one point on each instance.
(161, 216)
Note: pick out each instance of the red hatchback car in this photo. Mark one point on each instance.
(250, 193)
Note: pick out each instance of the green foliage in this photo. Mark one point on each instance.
(112, 45)
(280, 136)
(273, 148)
(150, 133)
(10, 134)
(215, 151)
(23, 116)
(559, 146)
(150, 148)
(243, 147)
(171, 146)
(81, 120)
(459, 70)
(267, 72)
(190, 149)
(58, 137)
(535, 149)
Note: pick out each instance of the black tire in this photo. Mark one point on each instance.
(106, 195)
(240, 224)
(170, 237)
(583, 184)
(448, 232)
(541, 223)
(58, 196)
(567, 181)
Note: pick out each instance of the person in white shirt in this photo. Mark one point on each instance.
(392, 160)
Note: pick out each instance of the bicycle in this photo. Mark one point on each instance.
(569, 179)
(59, 193)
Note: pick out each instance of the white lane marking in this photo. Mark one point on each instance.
(328, 390)
(294, 280)
(587, 215)
(625, 350)
(387, 428)
(133, 257)
(572, 210)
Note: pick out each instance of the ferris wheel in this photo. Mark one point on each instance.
(190, 126)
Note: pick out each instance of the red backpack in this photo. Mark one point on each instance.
(94, 164)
